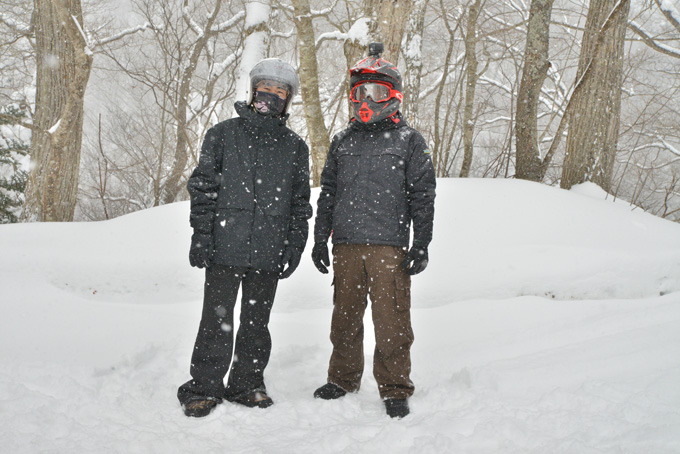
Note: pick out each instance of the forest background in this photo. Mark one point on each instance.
(104, 103)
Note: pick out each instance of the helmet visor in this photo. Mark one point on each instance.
(378, 92)
(270, 86)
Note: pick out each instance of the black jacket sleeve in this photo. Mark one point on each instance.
(323, 223)
(300, 208)
(420, 189)
(204, 184)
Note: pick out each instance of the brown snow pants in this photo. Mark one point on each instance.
(361, 270)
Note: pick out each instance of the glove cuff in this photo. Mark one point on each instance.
(419, 245)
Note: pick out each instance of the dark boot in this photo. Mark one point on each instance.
(258, 399)
(329, 391)
(396, 408)
(198, 408)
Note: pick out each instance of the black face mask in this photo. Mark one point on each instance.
(268, 104)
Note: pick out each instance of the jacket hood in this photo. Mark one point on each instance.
(257, 120)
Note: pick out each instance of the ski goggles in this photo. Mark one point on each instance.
(377, 91)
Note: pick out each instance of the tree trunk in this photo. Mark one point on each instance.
(309, 87)
(470, 86)
(534, 72)
(387, 24)
(413, 49)
(63, 70)
(594, 119)
(390, 18)
(255, 44)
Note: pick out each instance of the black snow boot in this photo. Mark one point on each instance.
(254, 399)
(396, 408)
(329, 391)
(198, 408)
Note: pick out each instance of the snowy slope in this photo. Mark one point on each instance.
(547, 322)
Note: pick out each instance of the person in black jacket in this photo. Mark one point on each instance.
(249, 212)
(378, 180)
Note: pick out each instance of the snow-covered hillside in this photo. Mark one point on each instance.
(547, 322)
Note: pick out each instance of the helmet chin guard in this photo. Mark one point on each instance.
(369, 111)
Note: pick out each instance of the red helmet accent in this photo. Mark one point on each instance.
(375, 68)
(365, 113)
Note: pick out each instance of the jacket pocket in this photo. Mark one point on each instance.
(270, 233)
(232, 233)
(349, 164)
(390, 163)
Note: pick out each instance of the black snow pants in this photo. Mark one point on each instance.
(212, 353)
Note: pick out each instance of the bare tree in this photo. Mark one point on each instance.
(174, 183)
(257, 36)
(412, 51)
(309, 81)
(471, 75)
(594, 120)
(64, 61)
(389, 23)
(529, 165)
(178, 79)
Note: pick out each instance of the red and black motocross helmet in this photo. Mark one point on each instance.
(375, 77)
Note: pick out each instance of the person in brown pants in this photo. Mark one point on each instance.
(362, 270)
(377, 181)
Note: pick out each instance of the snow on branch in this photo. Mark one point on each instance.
(670, 147)
(191, 22)
(357, 33)
(671, 13)
(313, 13)
(124, 33)
(224, 26)
(325, 11)
(256, 13)
(496, 119)
(221, 67)
(284, 35)
(648, 40)
(336, 35)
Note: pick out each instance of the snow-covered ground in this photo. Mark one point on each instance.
(547, 322)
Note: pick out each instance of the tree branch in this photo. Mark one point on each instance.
(16, 26)
(648, 40)
(124, 33)
(224, 26)
(674, 21)
(12, 120)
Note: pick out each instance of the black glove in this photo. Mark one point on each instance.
(320, 257)
(291, 257)
(415, 261)
(201, 252)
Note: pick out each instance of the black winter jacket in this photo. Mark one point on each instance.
(378, 178)
(250, 190)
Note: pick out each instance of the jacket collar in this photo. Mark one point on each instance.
(257, 120)
(382, 125)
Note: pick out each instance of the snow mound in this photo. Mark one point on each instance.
(492, 239)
